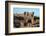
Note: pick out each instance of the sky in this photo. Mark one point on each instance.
(22, 10)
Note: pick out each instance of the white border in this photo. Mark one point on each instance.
(32, 29)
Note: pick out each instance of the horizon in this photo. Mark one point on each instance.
(30, 10)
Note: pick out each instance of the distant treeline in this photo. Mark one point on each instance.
(35, 17)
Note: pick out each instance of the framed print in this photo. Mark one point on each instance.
(24, 17)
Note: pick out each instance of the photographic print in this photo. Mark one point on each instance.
(24, 17)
